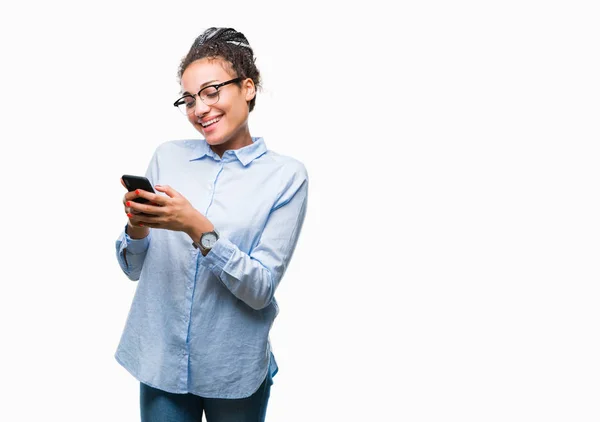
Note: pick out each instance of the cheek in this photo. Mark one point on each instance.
(240, 110)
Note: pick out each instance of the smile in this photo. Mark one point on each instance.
(210, 122)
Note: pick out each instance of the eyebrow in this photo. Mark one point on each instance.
(201, 86)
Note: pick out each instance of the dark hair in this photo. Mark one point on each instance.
(230, 45)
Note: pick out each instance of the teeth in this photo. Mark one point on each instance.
(210, 122)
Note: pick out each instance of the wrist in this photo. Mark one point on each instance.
(199, 225)
(206, 242)
(136, 232)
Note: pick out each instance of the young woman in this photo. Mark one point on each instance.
(210, 248)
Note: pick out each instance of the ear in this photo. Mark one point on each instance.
(250, 89)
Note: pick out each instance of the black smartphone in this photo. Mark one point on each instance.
(137, 182)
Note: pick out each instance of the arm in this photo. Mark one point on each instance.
(254, 277)
(133, 243)
(131, 254)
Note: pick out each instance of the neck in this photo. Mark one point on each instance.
(237, 141)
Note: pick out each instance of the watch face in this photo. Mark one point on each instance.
(208, 240)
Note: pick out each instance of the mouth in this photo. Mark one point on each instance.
(209, 123)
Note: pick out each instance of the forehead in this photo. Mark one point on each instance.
(202, 71)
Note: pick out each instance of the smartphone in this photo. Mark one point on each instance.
(137, 182)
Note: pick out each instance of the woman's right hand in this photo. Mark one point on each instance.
(135, 230)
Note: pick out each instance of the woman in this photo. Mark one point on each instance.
(210, 248)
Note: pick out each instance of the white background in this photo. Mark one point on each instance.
(448, 265)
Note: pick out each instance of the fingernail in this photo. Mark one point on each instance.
(128, 203)
(141, 225)
(129, 215)
(137, 191)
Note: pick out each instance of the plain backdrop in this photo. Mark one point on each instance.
(448, 265)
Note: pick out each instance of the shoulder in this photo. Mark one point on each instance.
(176, 150)
(177, 146)
(289, 166)
(291, 176)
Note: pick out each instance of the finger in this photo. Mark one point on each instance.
(129, 209)
(130, 224)
(129, 196)
(152, 197)
(133, 220)
(172, 193)
(146, 219)
(137, 220)
(151, 226)
(145, 208)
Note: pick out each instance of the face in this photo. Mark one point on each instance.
(224, 124)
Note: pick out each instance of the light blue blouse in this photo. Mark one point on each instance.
(201, 324)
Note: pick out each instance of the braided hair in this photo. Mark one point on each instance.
(230, 45)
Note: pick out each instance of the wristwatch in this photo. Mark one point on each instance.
(207, 241)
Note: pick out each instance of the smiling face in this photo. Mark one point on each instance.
(225, 123)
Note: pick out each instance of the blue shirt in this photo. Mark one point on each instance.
(200, 324)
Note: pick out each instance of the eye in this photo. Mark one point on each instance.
(210, 92)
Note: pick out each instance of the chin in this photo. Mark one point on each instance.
(214, 140)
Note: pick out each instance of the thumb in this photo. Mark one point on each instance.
(172, 193)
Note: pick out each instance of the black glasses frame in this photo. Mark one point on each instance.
(181, 101)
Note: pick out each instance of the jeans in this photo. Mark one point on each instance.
(159, 406)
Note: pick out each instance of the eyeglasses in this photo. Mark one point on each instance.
(209, 96)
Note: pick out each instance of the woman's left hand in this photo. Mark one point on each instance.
(171, 212)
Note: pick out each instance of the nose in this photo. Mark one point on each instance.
(200, 108)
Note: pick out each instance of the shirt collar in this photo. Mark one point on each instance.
(245, 155)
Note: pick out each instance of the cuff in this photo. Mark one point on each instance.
(135, 246)
(219, 256)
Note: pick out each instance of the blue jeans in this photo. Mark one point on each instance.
(159, 406)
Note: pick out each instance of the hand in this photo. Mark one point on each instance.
(171, 212)
(130, 196)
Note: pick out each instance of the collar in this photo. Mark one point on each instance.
(245, 155)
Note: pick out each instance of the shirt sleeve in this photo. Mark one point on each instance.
(254, 277)
(131, 254)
